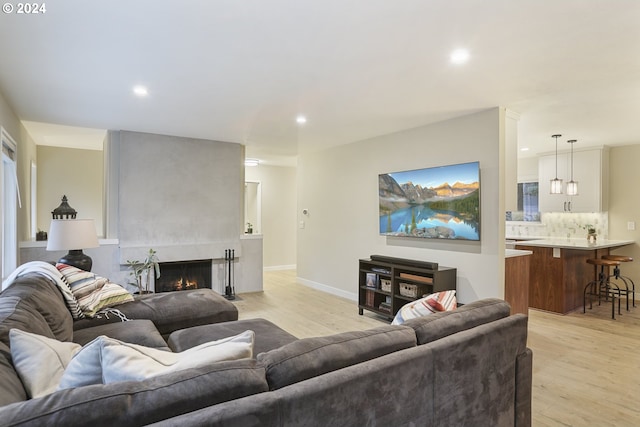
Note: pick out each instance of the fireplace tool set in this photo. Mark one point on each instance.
(229, 274)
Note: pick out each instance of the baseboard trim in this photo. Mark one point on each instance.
(328, 289)
(280, 267)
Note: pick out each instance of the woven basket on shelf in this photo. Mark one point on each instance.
(411, 290)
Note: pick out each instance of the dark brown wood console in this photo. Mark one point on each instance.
(385, 284)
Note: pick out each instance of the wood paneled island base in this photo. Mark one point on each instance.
(556, 283)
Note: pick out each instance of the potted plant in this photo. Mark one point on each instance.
(144, 270)
(591, 232)
(249, 228)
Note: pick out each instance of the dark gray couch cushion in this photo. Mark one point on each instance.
(393, 390)
(34, 304)
(11, 388)
(141, 332)
(439, 325)
(309, 357)
(171, 311)
(131, 403)
(268, 335)
(15, 313)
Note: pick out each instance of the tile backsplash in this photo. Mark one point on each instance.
(560, 224)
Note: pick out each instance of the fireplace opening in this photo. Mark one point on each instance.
(183, 275)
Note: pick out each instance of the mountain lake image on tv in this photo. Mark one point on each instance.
(433, 203)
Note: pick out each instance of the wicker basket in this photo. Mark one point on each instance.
(411, 290)
(385, 285)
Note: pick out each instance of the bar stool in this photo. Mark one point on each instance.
(625, 279)
(601, 287)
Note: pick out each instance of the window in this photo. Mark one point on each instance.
(34, 200)
(528, 200)
(10, 201)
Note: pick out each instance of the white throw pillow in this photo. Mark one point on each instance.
(440, 301)
(40, 361)
(106, 360)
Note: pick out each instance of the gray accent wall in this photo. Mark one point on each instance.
(181, 196)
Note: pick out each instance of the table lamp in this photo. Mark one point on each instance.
(73, 235)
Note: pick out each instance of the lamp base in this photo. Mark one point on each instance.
(78, 259)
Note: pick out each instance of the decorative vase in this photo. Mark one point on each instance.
(591, 237)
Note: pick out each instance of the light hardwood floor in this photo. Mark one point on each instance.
(586, 367)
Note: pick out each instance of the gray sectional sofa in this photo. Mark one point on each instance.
(466, 367)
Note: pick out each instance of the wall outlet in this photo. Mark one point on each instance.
(301, 224)
(631, 225)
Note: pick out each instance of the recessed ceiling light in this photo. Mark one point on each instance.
(251, 162)
(301, 120)
(524, 149)
(140, 91)
(459, 56)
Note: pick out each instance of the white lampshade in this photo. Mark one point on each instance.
(556, 186)
(68, 234)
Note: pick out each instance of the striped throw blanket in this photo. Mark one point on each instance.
(93, 293)
(85, 293)
(51, 272)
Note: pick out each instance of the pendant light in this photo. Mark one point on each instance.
(572, 186)
(556, 184)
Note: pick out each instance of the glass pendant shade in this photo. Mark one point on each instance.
(572, 186)
(556, 186)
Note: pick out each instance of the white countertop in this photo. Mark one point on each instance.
(510, 253)
(519, 238)
(576, 243)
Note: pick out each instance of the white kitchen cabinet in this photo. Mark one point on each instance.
(590, 169)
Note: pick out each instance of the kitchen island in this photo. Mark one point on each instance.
(559, 271)
(516, 280)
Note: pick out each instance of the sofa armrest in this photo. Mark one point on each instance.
(524, 383)
(132, 403)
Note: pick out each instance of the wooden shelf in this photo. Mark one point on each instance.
(429, 276)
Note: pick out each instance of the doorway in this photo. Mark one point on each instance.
(252, 207)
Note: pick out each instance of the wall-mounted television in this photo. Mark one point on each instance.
(433, 203)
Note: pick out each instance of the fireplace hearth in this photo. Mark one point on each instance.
(183, 275)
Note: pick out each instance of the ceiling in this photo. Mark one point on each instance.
(241, 71)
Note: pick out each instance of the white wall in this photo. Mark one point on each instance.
(511, 161)
(278, 186)
(624, 204)
(339, 186)
(8, 119)
(528, 169)
(76, 173)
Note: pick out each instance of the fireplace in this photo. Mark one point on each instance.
(183, 275)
